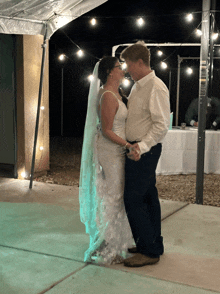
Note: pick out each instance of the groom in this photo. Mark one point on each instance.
(147, 124)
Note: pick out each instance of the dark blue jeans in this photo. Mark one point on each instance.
(142, 204)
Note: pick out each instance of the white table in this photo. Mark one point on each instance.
(179, 152)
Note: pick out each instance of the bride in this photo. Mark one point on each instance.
(102, 167)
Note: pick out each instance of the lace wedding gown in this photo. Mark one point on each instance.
(109, 230)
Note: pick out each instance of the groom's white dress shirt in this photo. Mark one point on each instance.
(148, 117)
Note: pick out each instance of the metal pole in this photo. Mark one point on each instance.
(169, 80)
(178, 89)
(203, 87)
(211, 65)
(62, 102)
(44, 45)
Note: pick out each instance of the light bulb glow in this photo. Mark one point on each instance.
(159, 53)
(140, 21)
(41, 148)
(42, 108)
(126, 82)
(163, 65)
(61, 57)
(199, 32)
(215, 36)
(189, 17)
(93, 21)
(80, 53)
(23, 174)
(189, 71)
(90, 77)
(124, 65)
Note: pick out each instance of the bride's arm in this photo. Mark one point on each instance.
(109, 107)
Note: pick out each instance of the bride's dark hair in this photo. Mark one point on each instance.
(105, 66)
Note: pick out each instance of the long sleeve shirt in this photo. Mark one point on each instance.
(191, 115)
(213, 103)
(148, 117)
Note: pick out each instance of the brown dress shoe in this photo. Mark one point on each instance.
(133, 250)
(139, 260)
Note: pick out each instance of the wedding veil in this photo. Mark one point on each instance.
(87, 184)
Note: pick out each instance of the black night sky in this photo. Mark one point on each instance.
(165, 22)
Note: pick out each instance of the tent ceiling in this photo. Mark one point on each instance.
(30, 17)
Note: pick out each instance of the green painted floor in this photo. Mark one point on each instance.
(42, 243)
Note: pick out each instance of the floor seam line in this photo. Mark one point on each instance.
(164, 218)
(165, 280)
(61, 280)
(41, 253)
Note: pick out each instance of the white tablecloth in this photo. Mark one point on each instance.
(179, 152)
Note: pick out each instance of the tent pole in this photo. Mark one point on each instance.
(211, 65)
(178, 89)
(44, 45)
(203, 89)
(61, 102)
(170, 75)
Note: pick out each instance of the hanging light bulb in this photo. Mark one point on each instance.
(189, 71)
(126, 82)
(214, 36)
(93, 21)
(80, 53)
(198, 32)
(189, 17)
(42, 108)
(41, 148)
(61, 57)
(90, 77)
(159, 53)
(163, 65)
(140, 21)
(124, 65)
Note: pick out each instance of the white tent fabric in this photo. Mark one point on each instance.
(31, 17)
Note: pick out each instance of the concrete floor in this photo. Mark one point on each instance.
(42, 244)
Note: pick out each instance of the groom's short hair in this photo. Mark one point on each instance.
(136, 51)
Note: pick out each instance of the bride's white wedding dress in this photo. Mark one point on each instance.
(110, 233)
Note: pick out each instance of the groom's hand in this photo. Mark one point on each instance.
(134, 153)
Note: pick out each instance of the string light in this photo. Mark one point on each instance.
(23, 174)
(80, 53)
(215, 36)
(189, 71)
(41, 148)
(124, 65)
(140, 21)
(93, 21)
(62, 57)
(90, 77)
(42, 108)
(125, 82)
(163, 65)
(189, 17)
(198, 32)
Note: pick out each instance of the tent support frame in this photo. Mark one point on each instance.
(44, 45)
(203, 93)
(180, 59)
